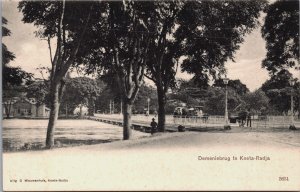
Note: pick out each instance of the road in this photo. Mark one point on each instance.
(169, 161)
(164, 162)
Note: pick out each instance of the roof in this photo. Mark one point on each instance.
(18, 99)
(27, 100)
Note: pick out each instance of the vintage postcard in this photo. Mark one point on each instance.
(150, 95)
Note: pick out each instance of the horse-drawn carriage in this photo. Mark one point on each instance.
(240, 118)
(188, 111)
(194, 112)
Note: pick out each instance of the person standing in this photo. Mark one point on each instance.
(153, 126)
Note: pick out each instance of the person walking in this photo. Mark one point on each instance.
(153, 126)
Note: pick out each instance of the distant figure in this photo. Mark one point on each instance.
(153, 126)
(297, 114)
(241, 122)
(200, 113)
(242, 118)
(249, 119)
(155, 113)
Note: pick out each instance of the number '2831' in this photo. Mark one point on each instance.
(283, 178)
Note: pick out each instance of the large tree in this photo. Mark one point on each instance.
(281, 32)
(187, 92)
(207, 33)
(215, 99)
(128, 48)
(81, 91)
(13, 78)
(122, 39)
(7, 56)
(276, 90)
(237, 85)
(10, 96)
(211, 32)
(39, 91)
(141, 103)
(67, 22)
(256, 101)
(109, 100)
(163, 52)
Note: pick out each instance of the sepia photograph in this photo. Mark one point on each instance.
(152, 95)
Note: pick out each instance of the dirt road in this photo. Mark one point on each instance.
(173, 161)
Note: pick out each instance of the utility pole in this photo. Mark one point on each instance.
(109, 106)
(66, 110)
(292, 125)
(148, 109)
(121, 107)
(226, 126)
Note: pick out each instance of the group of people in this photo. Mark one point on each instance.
(246, 118)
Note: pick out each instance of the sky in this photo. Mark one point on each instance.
(31, 52)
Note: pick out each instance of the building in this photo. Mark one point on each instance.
(81, 110)
(23, 107)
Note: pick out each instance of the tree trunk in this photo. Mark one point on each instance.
(54, 108)
(8, 108)
(161, 108)
(80, 111)
(36, 110)
(91, 107)
(127, 110)
(7, 111)
(66, 110)
(299, 106)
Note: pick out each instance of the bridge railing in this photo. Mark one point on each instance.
(213, 120)
(198, 121)
(272, 121)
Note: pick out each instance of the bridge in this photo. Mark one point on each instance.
(143, 124)
(212, 123)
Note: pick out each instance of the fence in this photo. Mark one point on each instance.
(194, 121)
(274, 122)
(210, 121)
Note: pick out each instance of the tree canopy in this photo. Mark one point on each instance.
(275, 89)
(81, 91)
(281, 32)
(7, 56)
(121, 43)
(12, 76)
(237, 85)
(69, 23)
(39, 91)
(215, 101)
(256, 101)
(211, 32)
